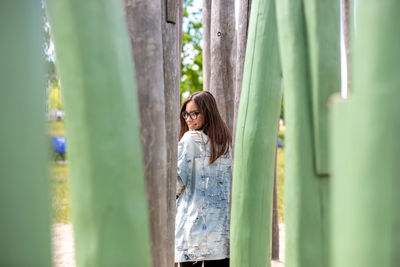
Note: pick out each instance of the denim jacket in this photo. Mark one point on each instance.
(202, 206)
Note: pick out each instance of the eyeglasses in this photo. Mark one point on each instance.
(193, 114)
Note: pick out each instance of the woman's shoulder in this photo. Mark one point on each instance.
(193, 137)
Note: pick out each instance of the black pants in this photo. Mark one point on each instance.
(216, 263)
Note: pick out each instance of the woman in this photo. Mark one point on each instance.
(203, 185)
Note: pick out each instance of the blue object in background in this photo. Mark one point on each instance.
(280, 144)
(59, 148)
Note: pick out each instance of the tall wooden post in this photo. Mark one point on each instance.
(256, 137)
(241, 43)
(145, 29)
(109, 206)
(24, 194)
(275, 218)
(220, 60)
(172, 40)
(365, 166)
(309, 46)
(206, 26)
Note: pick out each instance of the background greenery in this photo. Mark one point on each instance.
(192, 52)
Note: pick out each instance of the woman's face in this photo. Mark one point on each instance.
(196, 119)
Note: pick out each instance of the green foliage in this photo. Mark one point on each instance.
(192, 57)
(53, 91)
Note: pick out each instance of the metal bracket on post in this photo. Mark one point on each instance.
(171, 11)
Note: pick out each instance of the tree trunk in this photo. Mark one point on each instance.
(24, 183)
(145, 29)
(171, 29)
(221, 58)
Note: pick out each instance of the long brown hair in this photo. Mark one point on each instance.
(214, 126)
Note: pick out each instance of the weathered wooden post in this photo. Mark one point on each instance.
(24, 194)
(155, 30)
(275, 218)
(109, 206)
(366, 147)
(309, 46)
(172, 41)
(241, 43)
(145, 29)
(206, 42)
(219, 55)
(256, 142)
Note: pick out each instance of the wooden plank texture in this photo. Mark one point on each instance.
(145, 31)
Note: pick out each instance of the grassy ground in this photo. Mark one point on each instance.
(59, 180)
(60, 186)
(56, 128)
(60, 193)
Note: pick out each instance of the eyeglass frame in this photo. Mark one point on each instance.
(190, 114)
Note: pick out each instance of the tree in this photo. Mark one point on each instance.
(192, 51)
(53, 89)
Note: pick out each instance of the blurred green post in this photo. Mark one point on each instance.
(24, 196)
(255, 145)
(108, 197)
(309, 46)
(366, 145)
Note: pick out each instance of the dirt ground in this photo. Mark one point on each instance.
(63, 246)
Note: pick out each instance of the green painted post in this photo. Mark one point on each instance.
(310, 62)
(109, 206)
(24, 194)
(366, 169)
(256, 136)
(323, 48)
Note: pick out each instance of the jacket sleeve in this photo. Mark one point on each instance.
(186, 151)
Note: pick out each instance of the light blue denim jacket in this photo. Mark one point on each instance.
(202, 207)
